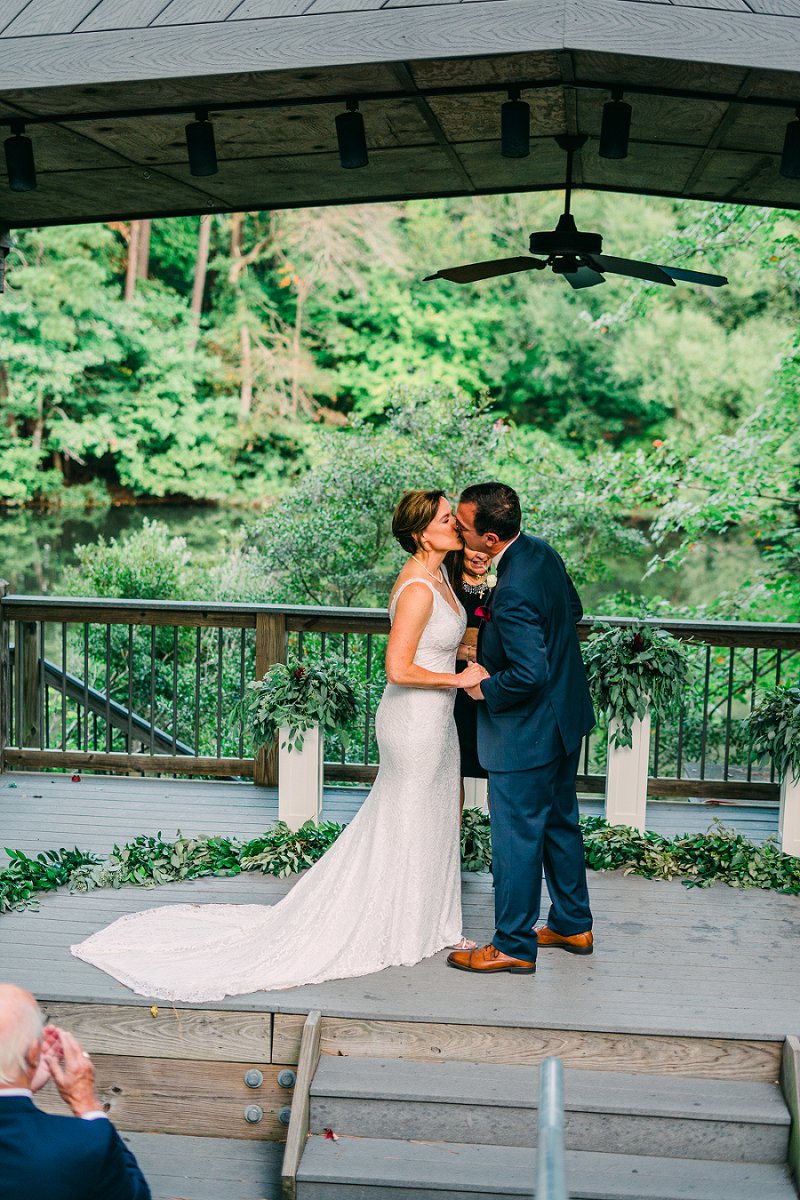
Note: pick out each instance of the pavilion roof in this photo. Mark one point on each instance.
(430, 76)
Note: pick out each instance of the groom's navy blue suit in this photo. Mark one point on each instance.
(535, 713)
(46, 1157)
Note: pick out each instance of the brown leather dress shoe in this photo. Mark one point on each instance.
(489, 960)
(576, 943)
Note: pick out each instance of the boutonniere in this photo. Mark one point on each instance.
(484, 612)
(491, 579)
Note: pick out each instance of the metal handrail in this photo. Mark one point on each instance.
(551, 1171)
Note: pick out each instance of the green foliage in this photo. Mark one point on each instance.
(299, 695)
(632, 669)
(329, 541)
(476, 841)
(25, 878)
(720, 855)
(144, 564)
(283, 851)
(774, 727)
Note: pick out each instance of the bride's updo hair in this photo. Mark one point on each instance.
(414, 514)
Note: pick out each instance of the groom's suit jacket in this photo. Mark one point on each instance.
(46, 1157)
(536, 702)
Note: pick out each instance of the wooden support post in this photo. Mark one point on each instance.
(5, 680)
(789, 818)
(271, 647)
(626, 777)
(300, 778)
(27, 656)
(299, 1120)
(476, 794)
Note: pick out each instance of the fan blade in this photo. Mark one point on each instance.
(471, 272)
(630, 266)
(696, 276)
(584, 277)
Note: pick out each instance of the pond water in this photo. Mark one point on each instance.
(36, 547)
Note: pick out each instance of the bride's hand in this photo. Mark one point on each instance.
(472, 675)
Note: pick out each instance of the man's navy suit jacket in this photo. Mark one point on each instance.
(45, 1157)
(536, 702)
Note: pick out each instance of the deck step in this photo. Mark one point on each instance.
(392, 1169)
(605, 1111)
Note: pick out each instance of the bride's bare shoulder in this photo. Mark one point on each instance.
(410, 597)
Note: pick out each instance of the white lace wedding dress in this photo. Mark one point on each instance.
(387, 893)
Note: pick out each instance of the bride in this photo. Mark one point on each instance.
(388, 892)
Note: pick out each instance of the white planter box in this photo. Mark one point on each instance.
(626, 779)
(300, 779)
(789, 819)
(476, 794)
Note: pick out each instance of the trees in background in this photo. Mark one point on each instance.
(297, 361)
(189, 357)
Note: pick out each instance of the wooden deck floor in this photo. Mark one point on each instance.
(715, 962)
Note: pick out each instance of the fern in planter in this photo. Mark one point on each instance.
(301, 694)
(634, 668)
(774, 727)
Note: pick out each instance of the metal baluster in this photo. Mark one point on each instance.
(300, 640)
(46, 725)
(242, 642)
(679, 764)
(63, 686)
(197, 655)
(772, 772)
(130, 690)
(323, 641)
(752, 706)
(17, 683)
(728, 715)
(704, 735)
(152, 688)
(43, 730)
(345, 647)
(367, 699)
(656, 747)
(174, 689)
(86, 686)
(219, 693)
(108, 688)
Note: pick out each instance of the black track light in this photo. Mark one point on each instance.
(351, 137)
(200, 145)
(20, 166)
(790, 155)
(515, 126)
(615, 127)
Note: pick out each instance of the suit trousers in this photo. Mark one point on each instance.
(534, 820)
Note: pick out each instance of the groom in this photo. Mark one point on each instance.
(534, 710)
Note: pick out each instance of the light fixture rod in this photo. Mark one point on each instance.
(495, 88)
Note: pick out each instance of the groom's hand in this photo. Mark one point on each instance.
(475, 692)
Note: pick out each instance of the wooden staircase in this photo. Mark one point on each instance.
(436, 1128)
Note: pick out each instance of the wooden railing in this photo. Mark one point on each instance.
(155, 687)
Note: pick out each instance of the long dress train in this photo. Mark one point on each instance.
(387, 893)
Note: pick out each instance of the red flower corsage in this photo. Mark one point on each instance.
(484, 612)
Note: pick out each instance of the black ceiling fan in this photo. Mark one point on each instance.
(574, 254)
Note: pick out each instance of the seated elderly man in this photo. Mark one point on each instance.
(44, 1157)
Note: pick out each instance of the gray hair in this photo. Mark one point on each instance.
(21, 1024)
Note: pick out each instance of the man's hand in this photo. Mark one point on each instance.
(51, 1045)
(73, 1074)
(475, 692)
